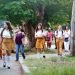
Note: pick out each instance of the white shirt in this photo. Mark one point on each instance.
(66, 34)
(59, 34)
(39, 33)
(6, 34)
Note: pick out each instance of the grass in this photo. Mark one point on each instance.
(52, 66)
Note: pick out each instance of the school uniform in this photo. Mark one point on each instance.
(7, 40)
(66, 40)
(39, 35)
(59, 41)
(7, 47)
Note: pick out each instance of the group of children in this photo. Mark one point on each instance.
(8, 39)
(61, 37)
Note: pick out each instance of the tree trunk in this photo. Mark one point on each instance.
(29, 32)
(72, 46)
(40, 14)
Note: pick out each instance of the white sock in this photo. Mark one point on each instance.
(4, 60)
(8, 61)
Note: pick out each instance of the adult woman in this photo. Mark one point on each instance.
(19, 40)
(39, 35)
(59, 39)
(49, 38)
(7, 41)
(66, 39)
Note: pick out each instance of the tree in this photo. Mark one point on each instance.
(73, 30)
(53, 11)
(34, 11)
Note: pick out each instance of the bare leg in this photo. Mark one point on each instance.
(37, 50)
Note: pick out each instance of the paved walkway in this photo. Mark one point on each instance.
(15, 68)
(46, 55)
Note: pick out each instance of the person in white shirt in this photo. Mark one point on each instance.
(59, 39)
(7, 42)
(39, 36)
(66, 39)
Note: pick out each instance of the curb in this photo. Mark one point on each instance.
(22, 71)
(24, 68)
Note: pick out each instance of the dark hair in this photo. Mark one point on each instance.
(9, 26)
(37, 27)
(21, 28)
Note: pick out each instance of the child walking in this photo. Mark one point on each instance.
(66, 39)
(49, 38)
(7, 41)
(19, 40)
(59, 39)
(39, 36)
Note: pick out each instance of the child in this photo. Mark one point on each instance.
(39, 38)
(19, 40)
(49, 38)
(59, 39)
(66, 39)
(7, 41)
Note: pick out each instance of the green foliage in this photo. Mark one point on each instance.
(55, 11)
